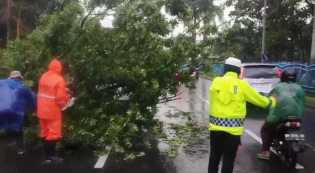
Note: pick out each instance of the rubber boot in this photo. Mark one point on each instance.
(20, 144)
(50, 152)
(16, 140)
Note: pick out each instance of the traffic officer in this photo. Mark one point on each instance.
(228, 96)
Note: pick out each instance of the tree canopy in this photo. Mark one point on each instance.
(288, 34)
(119, 74)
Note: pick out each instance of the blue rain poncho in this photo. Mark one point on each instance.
(16, 100)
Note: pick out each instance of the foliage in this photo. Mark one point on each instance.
(186, 135)
(20, 17)
(197, 15)
(243, 39)
(118, 74)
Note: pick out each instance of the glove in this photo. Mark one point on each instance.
(273, 101)
(69, 104)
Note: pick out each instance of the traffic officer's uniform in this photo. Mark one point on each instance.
(228, 96)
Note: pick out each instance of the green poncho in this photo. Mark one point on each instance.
(290, 102)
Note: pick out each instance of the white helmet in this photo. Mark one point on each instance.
(233, 61)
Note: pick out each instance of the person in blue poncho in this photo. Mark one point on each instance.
(16, 100)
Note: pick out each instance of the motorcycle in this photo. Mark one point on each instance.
(289, 142)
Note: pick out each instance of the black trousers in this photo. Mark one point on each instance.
(17, 137)
(222, 146)
(268, 133)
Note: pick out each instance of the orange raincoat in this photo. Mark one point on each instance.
(52, 97)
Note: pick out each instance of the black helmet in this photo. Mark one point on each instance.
(288, 75)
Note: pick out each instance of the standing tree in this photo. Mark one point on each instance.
(291, 17)
(20, 17)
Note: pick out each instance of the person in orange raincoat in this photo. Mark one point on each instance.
(52, 99)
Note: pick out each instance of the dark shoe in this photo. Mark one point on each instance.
(53, 160)
(20, 152)
(56, 160)
(11, 144)
(264, 155)
(47, 162)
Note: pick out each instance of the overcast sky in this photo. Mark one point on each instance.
(108, 20)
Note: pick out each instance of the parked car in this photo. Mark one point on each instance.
(261, 76)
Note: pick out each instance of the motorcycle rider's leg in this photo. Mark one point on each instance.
(216, 150)
(267, 134)
(230, 149)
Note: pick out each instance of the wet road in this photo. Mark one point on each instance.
(191, 158)
(197, 101)
(246, 160)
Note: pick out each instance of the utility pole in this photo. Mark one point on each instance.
(312, 59)
(263, 40)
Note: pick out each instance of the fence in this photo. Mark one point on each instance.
(305, 75)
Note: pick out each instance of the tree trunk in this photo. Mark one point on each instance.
(18, 23)
(8, 14)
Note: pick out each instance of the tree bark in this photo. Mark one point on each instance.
(8, 15)
(18, 23)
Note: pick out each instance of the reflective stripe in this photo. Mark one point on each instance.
(227, 122)
(46, 96)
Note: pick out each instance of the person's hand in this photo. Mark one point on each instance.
(69, 104)
(69, 92)
(273, 100)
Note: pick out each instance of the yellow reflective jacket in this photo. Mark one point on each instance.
(228, 96)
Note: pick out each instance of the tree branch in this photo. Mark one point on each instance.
(85, 18)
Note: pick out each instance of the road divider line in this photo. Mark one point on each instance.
(253, 135)
(102, 159)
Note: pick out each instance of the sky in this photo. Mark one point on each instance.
(107, 22)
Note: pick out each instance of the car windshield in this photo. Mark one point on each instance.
(260, 72)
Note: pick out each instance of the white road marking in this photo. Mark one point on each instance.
(253, 135)
(102, 160)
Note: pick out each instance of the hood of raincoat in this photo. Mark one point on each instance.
(55, 66)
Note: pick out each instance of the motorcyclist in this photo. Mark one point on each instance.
(290, 97)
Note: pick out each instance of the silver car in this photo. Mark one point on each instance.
(261, 76)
